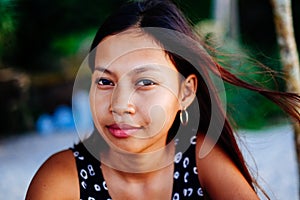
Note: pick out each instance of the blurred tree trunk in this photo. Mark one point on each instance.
(225, 14)
(289, 55)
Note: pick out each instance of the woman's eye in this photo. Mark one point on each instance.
(146, 82)
(105, 82)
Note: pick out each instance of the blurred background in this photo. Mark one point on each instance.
(43, 43)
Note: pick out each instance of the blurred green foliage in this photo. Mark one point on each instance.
(73, 43)
(48, 39)
(7, 26)
(249, 109)
(42, 23)
(245, 108)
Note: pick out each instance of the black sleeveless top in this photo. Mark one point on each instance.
(93, 186)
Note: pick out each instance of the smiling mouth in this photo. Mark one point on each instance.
(122, 130)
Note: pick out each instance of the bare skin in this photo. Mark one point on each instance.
(220, 177)
(58, 179)
(217, 174)
(152, 185)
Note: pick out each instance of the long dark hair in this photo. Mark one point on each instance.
(165, 14)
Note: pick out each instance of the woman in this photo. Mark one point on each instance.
(160, 129)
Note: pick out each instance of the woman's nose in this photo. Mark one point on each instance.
(121, 101)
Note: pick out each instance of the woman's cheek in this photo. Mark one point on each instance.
(158, 117)
(99, 106)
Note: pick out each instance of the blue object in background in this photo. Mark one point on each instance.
(44, 125)
(61, 121)
(82, 113)
(64, 119)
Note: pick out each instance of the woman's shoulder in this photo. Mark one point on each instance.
(218, 174)
(56, 178)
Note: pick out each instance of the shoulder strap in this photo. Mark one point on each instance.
(91, 181)
(186, 184)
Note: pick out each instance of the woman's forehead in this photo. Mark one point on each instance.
(131, 47)
(125, 42)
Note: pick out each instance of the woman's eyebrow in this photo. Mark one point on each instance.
(139, 70)
(103, 70)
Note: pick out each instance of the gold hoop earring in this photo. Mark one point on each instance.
(186, 117)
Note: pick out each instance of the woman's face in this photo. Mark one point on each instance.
(135, 92)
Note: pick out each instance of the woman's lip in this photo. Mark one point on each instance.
(122, 130)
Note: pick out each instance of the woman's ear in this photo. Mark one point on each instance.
(188, 91)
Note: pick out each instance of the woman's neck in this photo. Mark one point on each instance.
(143, 163)
(155, 184)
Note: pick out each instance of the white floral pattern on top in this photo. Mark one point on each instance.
(93, 186)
